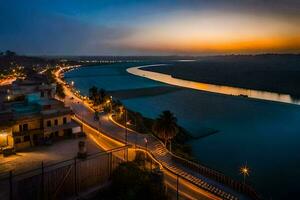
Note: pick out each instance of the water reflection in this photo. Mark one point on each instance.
(227, 90)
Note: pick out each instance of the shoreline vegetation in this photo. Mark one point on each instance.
(102, 101)
(144, 125)
(136, 121)
(174, 137)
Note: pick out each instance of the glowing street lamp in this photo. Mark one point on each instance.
(8, 98)
(72, 83)
(109, 102)
(146, 143)
(245, 172)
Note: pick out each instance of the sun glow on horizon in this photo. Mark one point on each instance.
(213, 32)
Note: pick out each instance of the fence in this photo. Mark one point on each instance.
(205, 171)
(64, 179)
(218, 176)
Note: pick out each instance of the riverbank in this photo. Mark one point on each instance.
(272, 73)
(137, 122)
(220, 89)
(261, 133)
(152, 145)
(143, 92)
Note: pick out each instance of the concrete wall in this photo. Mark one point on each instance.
(32, 124)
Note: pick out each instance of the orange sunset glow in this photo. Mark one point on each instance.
(216, 33)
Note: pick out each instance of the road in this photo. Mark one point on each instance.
(7, 81)
(197, 186)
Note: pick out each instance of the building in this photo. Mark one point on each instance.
(30, 89)
(34, 121)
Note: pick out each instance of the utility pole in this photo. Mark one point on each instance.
(126, 132)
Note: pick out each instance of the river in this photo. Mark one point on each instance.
(263, 134)
(221, 89)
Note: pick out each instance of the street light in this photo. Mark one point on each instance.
(8, 98)
(111, 104)
(245, 171)
(126, 132)
(72, 83)
(146, 143)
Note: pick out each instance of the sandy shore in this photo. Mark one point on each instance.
(220, 89)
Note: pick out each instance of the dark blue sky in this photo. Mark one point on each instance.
(119, 27)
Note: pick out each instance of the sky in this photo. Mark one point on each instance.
(145, 27)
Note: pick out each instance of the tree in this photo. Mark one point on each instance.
(102, 94)
(131, 181)
(60, 91)
(98, 96)
(93, 91)
(10, 53)
(165, 127)
(50, 76)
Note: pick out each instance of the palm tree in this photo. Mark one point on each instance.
(93, 93)
(165, 127)
(102, 95)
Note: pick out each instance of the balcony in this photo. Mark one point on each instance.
(68, 125)
(28, 132)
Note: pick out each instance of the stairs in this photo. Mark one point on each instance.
(165, 158)
(160, 153)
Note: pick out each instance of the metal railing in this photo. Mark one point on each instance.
(207, 187)
(209, 173)
(218, 176)
(62, 179)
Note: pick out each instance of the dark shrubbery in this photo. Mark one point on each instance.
(144, 125)
(130, 181)
(60, 91)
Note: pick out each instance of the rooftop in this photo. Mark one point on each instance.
(42, 108)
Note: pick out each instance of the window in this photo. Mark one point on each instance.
(56, 122)
(48, 123)
(26, 138)
(64, 120)
(17, 140)
(25, 127)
